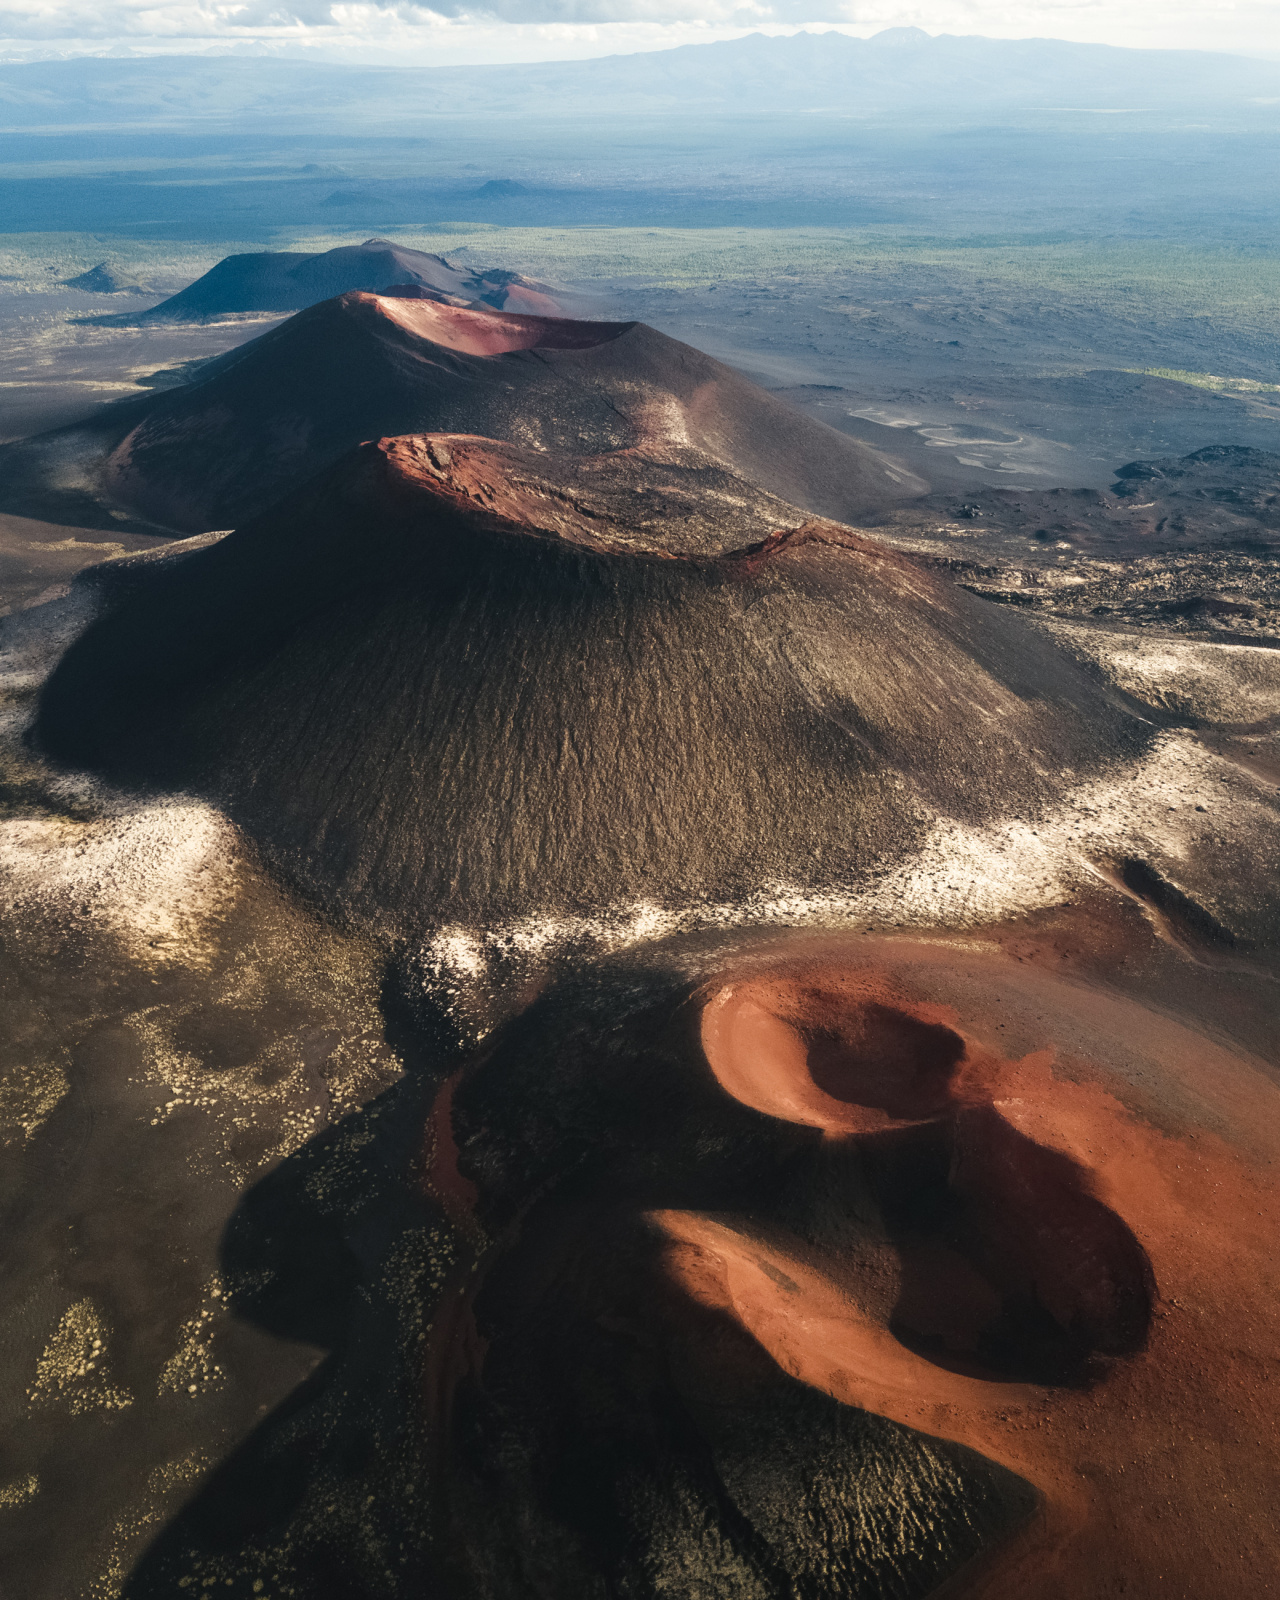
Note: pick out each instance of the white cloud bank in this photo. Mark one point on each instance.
(459, 31)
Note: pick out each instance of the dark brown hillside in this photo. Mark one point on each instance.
(362, 366)
(441, 682)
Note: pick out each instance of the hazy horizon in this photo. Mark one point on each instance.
(511, 45)
(530, 31)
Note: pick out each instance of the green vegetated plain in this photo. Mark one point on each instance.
(1176, 279)
(31, 262)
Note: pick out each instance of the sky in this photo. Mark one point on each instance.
(459, 32)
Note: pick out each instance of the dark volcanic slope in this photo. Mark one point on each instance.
(263, 419)
(275, 280)
(433, 686)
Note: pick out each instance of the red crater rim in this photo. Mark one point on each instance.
(492, 333)
(848, 1057)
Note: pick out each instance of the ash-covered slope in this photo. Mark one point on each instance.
(282, 280)
(451, 681)
(263, 419)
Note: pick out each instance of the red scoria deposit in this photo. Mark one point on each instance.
(494, 333)
(1154, 1245)
(1031, 1261)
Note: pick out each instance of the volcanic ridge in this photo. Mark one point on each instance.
(1185, 545)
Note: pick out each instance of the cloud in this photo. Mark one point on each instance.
(539, 29)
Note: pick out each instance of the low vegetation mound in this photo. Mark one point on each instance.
(106, 279)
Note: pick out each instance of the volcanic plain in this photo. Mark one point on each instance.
(642, 954)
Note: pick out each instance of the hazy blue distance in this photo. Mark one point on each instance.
(946, 134)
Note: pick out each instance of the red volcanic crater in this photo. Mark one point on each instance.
(255, 424)
(493, 333)
(978, 1201)
(1067, 1283)
(1011, 1258)
(526, 302)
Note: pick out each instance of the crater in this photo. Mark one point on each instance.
(492, 333)
(1009, 1265)
(845, 1068)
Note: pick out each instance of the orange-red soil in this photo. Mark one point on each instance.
(1062, 1257)
(493, 333)
(1154, 1247)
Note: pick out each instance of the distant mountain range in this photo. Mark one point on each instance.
(901, 70)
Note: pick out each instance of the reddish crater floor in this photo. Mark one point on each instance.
(493, 333)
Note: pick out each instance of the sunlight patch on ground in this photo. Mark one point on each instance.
(1207, 380)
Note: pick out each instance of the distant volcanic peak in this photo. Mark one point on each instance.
(372, 265)
(106, 279)
(480, 332)
(292, 281)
